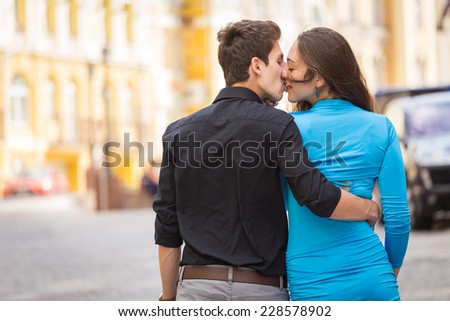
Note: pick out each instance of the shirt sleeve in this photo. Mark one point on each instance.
(309, 186)
(167, 232)
(394, 201)
(284, 190)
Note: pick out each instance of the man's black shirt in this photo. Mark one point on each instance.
(219, 189)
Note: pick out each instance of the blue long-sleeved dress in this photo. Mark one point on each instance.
(345, 260)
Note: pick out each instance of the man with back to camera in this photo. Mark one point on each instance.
(219, 190)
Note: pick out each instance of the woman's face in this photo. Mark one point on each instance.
(296, 73)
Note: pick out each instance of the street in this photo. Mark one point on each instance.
(64, 254)
(52, 250)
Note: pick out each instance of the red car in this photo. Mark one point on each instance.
(38, 181)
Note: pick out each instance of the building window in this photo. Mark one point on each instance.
(260, 10)
(317, 18)
(352, 10)
(378, 12)
(378, 68)
(20, 110)
(108, 19)
(445, 12)
(20, 15)
(421, 71)
(129, 14)
(70, 133)
(73, 17)
(107, 110)
(418, 14)
(51, 16)
(49, 99)
(126, 105)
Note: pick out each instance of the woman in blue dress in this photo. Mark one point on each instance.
(355, 148)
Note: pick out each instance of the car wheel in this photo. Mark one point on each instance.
(421, 216)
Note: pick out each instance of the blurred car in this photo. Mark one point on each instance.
(384, 96)
(422, 123)
(44, 180)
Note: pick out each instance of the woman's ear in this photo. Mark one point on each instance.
(255, 65)
(320, 81)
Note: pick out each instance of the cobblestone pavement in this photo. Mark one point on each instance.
(64, 254)
(50, 250)
(425, 274)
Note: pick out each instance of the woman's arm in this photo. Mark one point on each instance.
(394, 201)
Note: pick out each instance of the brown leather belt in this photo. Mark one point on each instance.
(238, 275)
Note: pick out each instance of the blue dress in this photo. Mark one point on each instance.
(345, 260)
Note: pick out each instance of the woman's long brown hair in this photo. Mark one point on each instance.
(328, 53)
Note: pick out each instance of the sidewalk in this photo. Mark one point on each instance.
(67, 203)
(56, 203)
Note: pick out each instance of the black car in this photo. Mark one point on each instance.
(422, 123)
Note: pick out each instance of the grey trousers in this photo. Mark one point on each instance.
(211, 290)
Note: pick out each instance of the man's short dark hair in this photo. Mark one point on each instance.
(240, 41)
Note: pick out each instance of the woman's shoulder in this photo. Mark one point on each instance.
(299, 114)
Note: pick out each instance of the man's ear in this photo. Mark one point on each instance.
(255, 65)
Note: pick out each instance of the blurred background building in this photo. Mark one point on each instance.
(76, 74)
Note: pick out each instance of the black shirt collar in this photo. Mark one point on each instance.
(237, 92)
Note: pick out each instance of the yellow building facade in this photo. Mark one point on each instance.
(74, 76)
